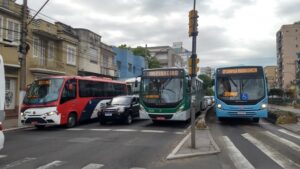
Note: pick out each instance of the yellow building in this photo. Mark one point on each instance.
(10, 23)
(270, 72)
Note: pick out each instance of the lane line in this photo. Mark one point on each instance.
(137, 168)
(288, 143)
(125, 130)
(51, 165)
(93, 166)
(3, 156)
(76, 129)
(236, 156)
(19, 162)
(278, 158)
(289, 133)
(179, 132)
(100, 129)
(153, 131)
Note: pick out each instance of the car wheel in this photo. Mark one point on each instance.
(102, 121)
(40, 126)
(71, 120)
(255, 120)
(221, 119)
(128, 119)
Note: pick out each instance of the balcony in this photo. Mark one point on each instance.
(47, 66)
(109, 65)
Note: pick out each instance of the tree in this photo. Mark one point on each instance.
(124, 46)
(207, 81)
(141, 52)
(153, 63)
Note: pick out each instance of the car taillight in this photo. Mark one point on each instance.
(1, 127)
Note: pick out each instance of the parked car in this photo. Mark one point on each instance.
(100, 106)
(209, 100)
(121, 108)
(1, 136)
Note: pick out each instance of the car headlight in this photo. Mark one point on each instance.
(51, 113)
(22, 114)
(219, 106)
(121, 109)
(264, 106)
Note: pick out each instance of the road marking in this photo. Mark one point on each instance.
(125, 130)
(283, 140)
(51, 165)
(153, 131)
(278, 158)
(76, 129)
(289, 133)
(179, 132)
(3, 156)
(236, 156)
(93, 166)
(137, 168)
(101, 129)
(19, 162)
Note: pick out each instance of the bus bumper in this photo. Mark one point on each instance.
(43, 116)
(262, 113)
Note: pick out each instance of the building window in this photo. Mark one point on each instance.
(36, 47)
(71, 55)
(51, 50)
(129, 67)
(1, 26)
(13, 31)
(93, 55)
(133, 69)
(119, 65)
(5, 3)
(10, 93)
(105, 61)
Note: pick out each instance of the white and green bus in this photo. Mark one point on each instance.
(165, 94)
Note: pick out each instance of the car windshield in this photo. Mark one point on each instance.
(43, 91)
(121, 101)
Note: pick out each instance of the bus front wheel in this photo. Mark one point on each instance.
(71, 120)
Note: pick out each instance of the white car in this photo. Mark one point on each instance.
(209, 100)
(101, 105)
(1, 137)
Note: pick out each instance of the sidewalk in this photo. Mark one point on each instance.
(292, 127)
(10, 124)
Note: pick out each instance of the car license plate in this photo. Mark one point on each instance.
(108, 114)
(34, 122)
(241, 113)
(160, 118)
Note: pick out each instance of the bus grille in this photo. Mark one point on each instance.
(154, 116)
(38, 120)
(244, 114)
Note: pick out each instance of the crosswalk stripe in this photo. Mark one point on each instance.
(125, 130)
(179, 132)
(76, 129)
(236, 156)
(137, 168)
(3, 156)
(153, 131)
(51, 165)
(17, 163)
(289, 133)
(101, 129)
(93, 166)
(283, 140)
(278, 158)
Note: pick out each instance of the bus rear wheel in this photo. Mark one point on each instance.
(71, 120)
(255, 120)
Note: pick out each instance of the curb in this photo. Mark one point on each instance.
(16, 128)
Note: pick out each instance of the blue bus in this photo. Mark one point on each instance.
(241, 92)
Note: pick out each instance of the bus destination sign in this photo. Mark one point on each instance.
(239, 70)
(161, 73)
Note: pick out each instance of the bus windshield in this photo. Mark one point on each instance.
(43, 91)
(240, 89)
(162, 90)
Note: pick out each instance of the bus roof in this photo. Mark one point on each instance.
(250, 66)
(93, 78)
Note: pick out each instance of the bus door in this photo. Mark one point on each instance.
(68, 99)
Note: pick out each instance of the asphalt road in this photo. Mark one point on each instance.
(144, 145)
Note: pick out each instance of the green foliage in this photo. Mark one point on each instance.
(153, 63)
(209, 92)
(124, 46)
(141, 52)
(207, 81)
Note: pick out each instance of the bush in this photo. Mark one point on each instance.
(282, 117)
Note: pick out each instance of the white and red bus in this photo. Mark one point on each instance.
(66, 100)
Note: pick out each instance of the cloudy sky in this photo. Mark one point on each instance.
(231, 32)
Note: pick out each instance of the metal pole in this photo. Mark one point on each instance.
(194, 56)
(22, 58)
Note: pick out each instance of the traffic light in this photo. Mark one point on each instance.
(190, 66)
(193, 22)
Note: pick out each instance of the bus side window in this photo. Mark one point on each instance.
(69, 92)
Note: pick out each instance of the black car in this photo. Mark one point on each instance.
(121, 108)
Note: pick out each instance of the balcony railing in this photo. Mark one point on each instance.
(47, 64)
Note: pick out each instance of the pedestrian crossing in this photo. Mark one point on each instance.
(257, 140)
(52, 164)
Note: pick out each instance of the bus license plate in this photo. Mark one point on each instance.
(34, 122)
(241, 113)
(108, 114)
(160, 118)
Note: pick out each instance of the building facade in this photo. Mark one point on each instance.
(108, 61)
(207, 71)
(129, 65)
(166, 56)
(288, 45)
(10, 26)
(182, 52)
(271, 75)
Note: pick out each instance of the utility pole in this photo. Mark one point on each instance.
(22, 57)
(193, 69)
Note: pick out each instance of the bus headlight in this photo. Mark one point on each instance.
(264, 106)
(50, 113)
(219, 106)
